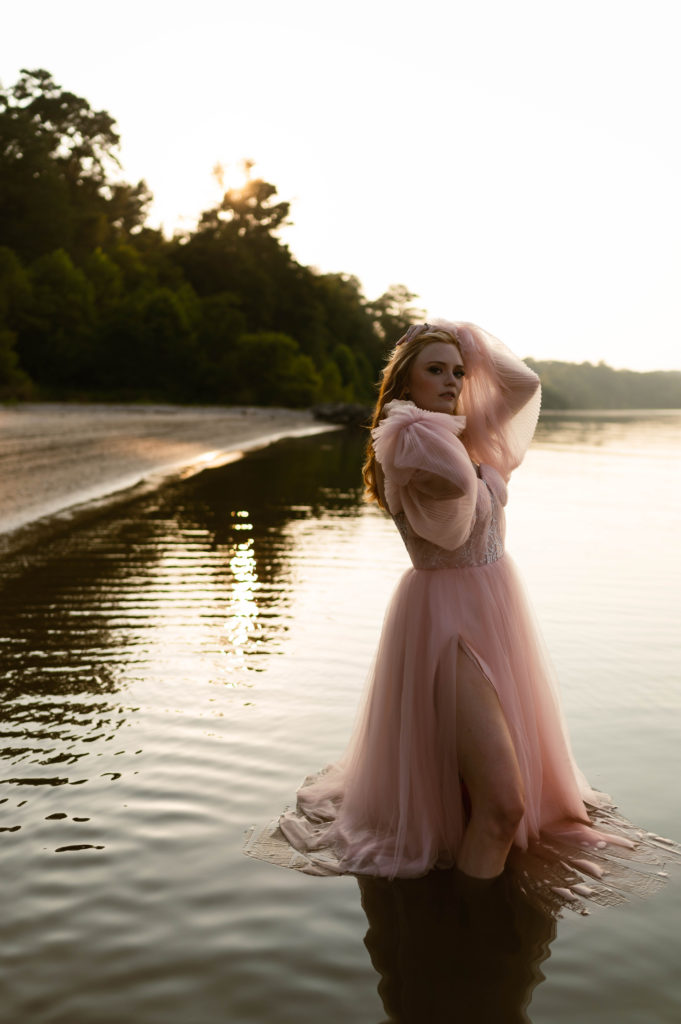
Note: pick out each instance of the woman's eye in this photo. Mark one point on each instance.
(434, 369)
(459, 373)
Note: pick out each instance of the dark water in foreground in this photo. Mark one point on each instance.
(171, 672)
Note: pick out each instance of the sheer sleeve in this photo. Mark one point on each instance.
(518, 384)
(428, 473)
(501, 399)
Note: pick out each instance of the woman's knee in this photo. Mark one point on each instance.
(501, 814)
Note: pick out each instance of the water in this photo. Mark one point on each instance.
(172, 671)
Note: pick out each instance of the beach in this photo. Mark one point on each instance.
(57, 459)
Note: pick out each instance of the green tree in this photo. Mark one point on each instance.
(394, 313)
(349, 322)
(15, 290)
(137, 272)
(234, 249)
(15, 297)
(14, 383)
(148, 346)
(270, 369)
(249, 210)
(57, 158)
(221, 324)
(57, 341)
(332, 389)
(351, 378)
(106, 278)
(109, 306)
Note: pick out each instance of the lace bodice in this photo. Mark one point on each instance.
(484, 544)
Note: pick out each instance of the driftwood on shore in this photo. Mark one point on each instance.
(349, 414)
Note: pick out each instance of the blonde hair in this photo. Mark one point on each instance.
(394, 384)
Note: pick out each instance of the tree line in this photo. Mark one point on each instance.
(599, 386)
(96, 304)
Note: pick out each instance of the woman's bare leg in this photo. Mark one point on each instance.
(489, 767)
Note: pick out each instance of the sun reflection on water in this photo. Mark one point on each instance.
(243, 634)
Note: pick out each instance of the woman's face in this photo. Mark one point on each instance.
(436, 377)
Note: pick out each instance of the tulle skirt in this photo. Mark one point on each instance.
(395, 805)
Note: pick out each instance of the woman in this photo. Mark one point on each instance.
(460, 754)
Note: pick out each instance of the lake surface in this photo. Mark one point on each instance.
(171, 671)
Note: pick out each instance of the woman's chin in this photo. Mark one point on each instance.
(446, 405)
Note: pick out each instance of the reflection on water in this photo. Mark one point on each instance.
(128, 658)
(169, 673)
(446, 953)
(618, 432)
(192, 583)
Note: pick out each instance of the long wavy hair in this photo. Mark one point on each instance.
(394, 380)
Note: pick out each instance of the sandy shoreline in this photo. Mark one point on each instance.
(55, 458)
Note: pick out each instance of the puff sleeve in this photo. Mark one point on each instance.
(428, 473)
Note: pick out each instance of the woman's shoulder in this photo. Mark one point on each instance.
(411, 442)
(409, 435)
(401, 413)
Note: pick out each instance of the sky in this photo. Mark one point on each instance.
(514, 164)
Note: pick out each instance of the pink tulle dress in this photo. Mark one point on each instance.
(395, 805)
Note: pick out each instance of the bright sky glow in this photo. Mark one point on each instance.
(515, 164)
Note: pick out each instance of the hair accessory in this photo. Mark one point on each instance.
(413, 332)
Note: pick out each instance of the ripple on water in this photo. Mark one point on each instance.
(172, 671)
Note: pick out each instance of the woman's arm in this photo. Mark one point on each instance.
(426, 473)
(518, 383)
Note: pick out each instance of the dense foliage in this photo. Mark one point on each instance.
(95, 304)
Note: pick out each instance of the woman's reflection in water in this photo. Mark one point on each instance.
(449, 953)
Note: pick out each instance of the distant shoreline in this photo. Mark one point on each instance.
(606, 410)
